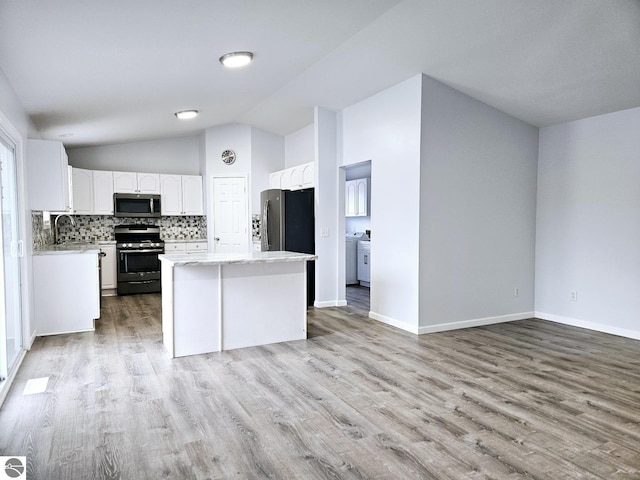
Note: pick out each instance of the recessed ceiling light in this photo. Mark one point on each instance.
(65, 135)
(236, 59)
(186, 114)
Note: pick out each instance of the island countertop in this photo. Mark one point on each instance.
(179, 259)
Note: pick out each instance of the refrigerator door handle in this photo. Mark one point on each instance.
(265, 220)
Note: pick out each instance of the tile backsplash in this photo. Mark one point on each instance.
(90, 228)
(255, 227)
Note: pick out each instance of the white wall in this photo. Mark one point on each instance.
(234, 137)
(179, 155)
(385, 129)
(588, 228)
(299, 147)
(477, 212)
(267, 156)
(327, 234)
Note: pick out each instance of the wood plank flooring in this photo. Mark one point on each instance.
(357, 399)
(359, 298)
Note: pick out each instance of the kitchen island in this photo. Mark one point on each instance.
(213, 302)
(66, 288)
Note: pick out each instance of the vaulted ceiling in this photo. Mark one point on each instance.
(115, 71)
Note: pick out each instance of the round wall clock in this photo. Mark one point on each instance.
(228, 157)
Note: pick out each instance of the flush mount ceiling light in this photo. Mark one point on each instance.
(186, 114)
(236, 59)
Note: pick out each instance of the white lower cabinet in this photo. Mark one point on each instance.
(66, 292)
(186, 247)
(109, 267)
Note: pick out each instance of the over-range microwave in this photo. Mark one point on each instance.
(136, 205)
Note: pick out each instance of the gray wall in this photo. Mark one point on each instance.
(477, 211)
(180, 155)
(588, 229)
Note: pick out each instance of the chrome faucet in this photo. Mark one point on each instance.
(56, 234)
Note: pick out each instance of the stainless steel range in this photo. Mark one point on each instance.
(138, 247)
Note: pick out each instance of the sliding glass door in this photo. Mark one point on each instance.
(10, 261)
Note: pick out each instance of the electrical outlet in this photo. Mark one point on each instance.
(516, 292)
(574, 296)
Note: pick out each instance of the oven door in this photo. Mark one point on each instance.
(135, 265)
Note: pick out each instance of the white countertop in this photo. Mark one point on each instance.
(68, 248)
(185, 240)
(229, 258)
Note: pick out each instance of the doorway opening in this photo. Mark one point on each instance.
(357, 194)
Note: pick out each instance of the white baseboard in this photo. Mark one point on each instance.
(443, 327)
(394, 323)
(31, 340)
(477, 322)
(38, 334)
(598, 327)
(330, 303)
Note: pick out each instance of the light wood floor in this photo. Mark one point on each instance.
(359, 298)
(528, 399)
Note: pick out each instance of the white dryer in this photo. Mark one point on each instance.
(351, 255)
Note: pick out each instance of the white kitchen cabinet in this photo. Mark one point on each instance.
(171, 191)
(181, 195)
(186, 247)
(48, 176)
(197, 247)
(109, 267)
(175, 247)
(293, 178)
(133, 182)
(66, 292)
(356, 197)
(192, 201)
(274, 180)
(102, 192)
(364, 263)
(82, 191)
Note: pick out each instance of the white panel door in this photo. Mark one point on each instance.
(230, 216)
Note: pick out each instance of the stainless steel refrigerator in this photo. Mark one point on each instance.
(288, 224)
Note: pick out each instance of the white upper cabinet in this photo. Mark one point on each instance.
(132, 182)
(148, 183)
(181, 195)
(171, 191)
(355, 195)
(294, 178)
(102, 192)
(82, 191)
(48, 176)
(308, 175)
(192, 202)
(125, 182)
